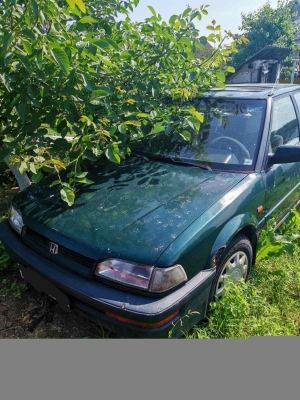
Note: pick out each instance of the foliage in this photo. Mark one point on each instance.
(70, 67)
(6, 177)
(13, 286)
(266, 27)
(4, 258)
(268, 305)
(272, 244)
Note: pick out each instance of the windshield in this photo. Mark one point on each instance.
(228, 138)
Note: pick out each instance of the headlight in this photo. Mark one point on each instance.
(144, 277)
(15, 219)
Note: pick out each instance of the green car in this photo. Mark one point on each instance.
(160, 236)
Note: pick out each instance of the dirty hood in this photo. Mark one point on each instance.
(133, 211)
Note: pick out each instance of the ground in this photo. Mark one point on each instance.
(27, 313)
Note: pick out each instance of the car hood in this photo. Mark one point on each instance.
(132, 211)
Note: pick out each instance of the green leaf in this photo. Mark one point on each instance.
(81, 175)
(89, 84)
(211, 37)
(85, 181)
(186, 135)
(88, 20)
(68, 196)
(186, 12)
(8, 58)
(71, 3)
(105, 89)
(54, 183)
(210, 28)
(80, 4)
(230, 69)
(103, 44)
(195, 113)
(32, 168)
(23, 110)
(173, 19)
(158, 128)
(152, 11)
(88, 154)
(35, 7)
(28, 33)
(23, 167)
(220, 84)
(113, 43)
(221, 76)
(203, 40)
(99, 94)
(6, 41)
(112, 154)
(125, 56)
(33, 91)
(133, 123)
(60, 56)
(122, 128)
(25, 62)
(27, 47)
(192, 76)
(194, 123)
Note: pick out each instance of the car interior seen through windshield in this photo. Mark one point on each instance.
(228, 138)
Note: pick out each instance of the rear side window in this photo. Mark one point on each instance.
(297, 98)
(284, 125)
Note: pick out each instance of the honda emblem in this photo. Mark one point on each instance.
(53, 248)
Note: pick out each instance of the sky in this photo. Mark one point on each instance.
(227, 13)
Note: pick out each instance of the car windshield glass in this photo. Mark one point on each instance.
(228, 138)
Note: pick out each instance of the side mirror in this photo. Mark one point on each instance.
(284, 155)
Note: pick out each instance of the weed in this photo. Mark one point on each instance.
(4, 258)
(13, 286)
(268, 304)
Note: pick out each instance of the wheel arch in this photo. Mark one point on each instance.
(241, 224)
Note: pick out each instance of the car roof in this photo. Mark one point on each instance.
(252, 90)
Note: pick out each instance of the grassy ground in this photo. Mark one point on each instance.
(267, 305)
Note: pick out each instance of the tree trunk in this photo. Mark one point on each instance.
(22, 179)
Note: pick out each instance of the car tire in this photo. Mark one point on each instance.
(234, 264)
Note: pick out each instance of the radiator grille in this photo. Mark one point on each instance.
(42, 245)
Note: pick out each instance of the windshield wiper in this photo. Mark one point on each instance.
(177, 160)
(141, 156)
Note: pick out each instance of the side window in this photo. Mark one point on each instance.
(284, 125)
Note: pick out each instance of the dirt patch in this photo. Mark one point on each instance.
(27, 313)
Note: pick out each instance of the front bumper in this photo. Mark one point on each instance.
(97, 299)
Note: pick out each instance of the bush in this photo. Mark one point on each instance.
(7, 178)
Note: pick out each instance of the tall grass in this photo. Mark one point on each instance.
(269, 303)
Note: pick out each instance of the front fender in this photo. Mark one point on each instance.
(243, 222)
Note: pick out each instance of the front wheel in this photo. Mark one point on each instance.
(235, 264)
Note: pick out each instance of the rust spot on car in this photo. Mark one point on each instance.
(217, 256)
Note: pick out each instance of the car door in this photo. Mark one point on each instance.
(282, 180)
